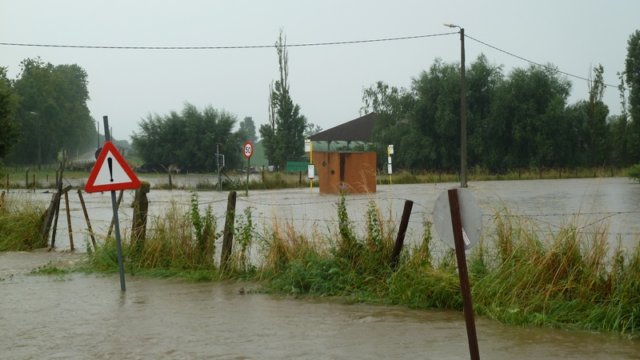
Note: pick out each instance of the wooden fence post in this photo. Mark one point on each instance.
(66, 204)
(113, 219)
(86, 218)
(140, 210)
(402, 231)
(227, 240)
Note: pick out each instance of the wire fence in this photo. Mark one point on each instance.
(309, 211)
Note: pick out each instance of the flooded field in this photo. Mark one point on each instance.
(611, 205)
(87, 317)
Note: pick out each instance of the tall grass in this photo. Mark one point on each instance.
(20, 223)
(567, 279)
(180, 241)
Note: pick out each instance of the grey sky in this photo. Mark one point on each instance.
(326, 81)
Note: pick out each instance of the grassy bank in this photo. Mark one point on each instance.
(567, 279)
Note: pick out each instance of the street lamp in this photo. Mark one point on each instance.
(463, 110)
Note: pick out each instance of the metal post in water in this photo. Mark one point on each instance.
(114, 205)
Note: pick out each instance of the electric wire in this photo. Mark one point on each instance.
(306, 44)
(227, 47)
(548, 67)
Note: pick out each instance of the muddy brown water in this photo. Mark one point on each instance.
(88, 317)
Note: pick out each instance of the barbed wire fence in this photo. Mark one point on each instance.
(307, 214)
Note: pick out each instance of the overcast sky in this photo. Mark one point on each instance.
(326, 81)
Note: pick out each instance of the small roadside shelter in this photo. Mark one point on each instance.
(341, 159)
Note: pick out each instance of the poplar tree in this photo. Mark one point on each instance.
(284, 134)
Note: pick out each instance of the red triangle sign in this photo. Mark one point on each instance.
(111, 172)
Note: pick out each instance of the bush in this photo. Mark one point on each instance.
(634, 172)
(20, 224)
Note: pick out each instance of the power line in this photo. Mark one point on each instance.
(312, 44)
(230, 47)
(534, 62)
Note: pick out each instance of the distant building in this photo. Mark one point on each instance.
(347, 165)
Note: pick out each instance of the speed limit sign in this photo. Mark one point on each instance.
(247, 149)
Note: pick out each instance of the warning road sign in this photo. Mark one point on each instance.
(111, 172)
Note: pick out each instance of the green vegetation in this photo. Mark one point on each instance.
(518, 120)
(567, 279)
(51, 113)
(20, 224)
(8, 102)
(188, 140)
(634, 172)
(284, 133)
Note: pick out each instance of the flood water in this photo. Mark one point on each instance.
(88, 317)
(591, 205)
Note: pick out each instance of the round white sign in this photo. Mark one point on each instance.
(247, 149)
(470, 216)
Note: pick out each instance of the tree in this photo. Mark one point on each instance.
(483, 79)
(8, 104)
(597, 132)
(311, 129)
(619, 134)
(526, 116)
(393, 125)
(284, 134)
(187, 140)
(247, 129)
(52, 113)
(632, 72)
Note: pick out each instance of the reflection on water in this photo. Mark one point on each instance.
(83, 316)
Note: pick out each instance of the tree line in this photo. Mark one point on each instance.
(190, 140)
(43, 112)
(515, 121)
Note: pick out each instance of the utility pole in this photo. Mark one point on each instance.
(218, 163)
(463, 110)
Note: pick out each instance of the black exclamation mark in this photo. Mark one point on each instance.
(110, 163)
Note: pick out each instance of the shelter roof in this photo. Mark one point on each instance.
(360, 129)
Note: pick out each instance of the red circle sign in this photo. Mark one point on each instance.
(247, 149)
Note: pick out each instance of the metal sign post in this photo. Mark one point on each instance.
(458, 221)
(110, 173)
(308, 147)
(465, 288)
(389, 166)
(247, 151)
(116, 221)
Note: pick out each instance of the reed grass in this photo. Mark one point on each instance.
(20, 223)
(569, 279)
